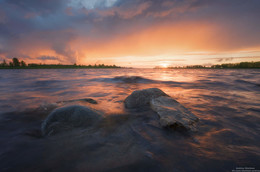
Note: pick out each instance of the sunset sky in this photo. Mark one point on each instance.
(131, 33)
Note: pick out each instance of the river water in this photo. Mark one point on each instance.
(226, 101)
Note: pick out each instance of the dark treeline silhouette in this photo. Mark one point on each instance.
(238, 65)
(16, 64)
(241, 65)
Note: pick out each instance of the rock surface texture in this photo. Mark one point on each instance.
(67, 118)
(142, 98)
(172, 114)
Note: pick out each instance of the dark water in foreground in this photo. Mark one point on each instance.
(226, 101)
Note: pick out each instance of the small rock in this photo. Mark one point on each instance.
(143, 97)
(66, 118)
(173, 114)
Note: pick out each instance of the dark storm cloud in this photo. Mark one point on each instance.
(37, 6)
(48, 58)
(56, 24)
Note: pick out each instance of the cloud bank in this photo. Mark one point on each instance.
(111, 31)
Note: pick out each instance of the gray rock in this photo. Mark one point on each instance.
(173, 114)
(66, 118)
(143, 97)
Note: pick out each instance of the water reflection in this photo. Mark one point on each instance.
(226, 101)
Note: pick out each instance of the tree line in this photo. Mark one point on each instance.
(16, 64)
(240, 65)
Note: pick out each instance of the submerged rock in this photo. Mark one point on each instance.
(173, 114)
(69, 117)
(143, 97)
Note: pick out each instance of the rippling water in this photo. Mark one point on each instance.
(226, 101)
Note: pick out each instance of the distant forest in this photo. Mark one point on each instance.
(17, 64)
(242, 65)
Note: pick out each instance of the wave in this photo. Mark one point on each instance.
(247, 82)
(199, 84)
(133, 79)
(126, 79)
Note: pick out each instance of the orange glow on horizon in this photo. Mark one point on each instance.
(179, 44)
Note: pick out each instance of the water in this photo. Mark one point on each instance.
(226, 101)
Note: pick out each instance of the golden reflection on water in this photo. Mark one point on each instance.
(227, 129)
(171, 75)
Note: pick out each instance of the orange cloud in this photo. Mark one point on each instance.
(171, 41)
(166, 42)
(161, 39)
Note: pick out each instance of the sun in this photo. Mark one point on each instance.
(164, 65)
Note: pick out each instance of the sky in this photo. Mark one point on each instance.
(130, 33)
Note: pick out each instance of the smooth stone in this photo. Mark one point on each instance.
(173, 114)
(69, 117)
(143, 97)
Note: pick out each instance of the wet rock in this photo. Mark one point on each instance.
(173, 114)
(143, 97)
(67, 118)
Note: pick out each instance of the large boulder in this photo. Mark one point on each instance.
(69, 117)
(143, 97)
(173, 114)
